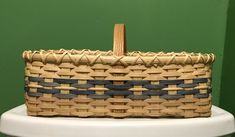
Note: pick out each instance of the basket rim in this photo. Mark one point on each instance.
(107, 57)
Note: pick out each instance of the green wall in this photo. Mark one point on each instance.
(152, 25)
(228, 75)
(227, 82)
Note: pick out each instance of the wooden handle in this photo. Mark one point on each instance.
(119, 41)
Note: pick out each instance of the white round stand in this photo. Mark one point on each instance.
(16, 123)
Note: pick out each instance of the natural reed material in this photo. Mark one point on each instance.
(88, 83)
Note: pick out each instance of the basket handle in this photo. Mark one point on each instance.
(119, 40)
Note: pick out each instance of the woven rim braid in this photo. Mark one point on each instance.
(117, 83)
(130, 58)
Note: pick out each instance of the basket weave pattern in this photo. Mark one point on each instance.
(103, 84)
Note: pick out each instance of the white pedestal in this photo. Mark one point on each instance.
(16, 123)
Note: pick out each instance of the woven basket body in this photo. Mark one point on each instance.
(117, 83)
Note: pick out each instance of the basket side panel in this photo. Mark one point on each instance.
(101, 90)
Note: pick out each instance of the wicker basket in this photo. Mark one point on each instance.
(117, 83)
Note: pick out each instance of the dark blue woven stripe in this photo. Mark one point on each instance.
(95, 96)
(64, 96)
(33, 94)
(117, 90)
(138, 97)
(92, 95)
(172, 97)
(82, 92)
(35, 79)
(188, 92)
(138, 82)
(155, 92)
(84, 86)
(48, 91)
(200, 80)
(118, 93)
(192, 85)
(154, 87)
(98, 82)
(65, 81)
(171, 82)
(49, 84)
(118, 87)
(131, 82)
(201, 95)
